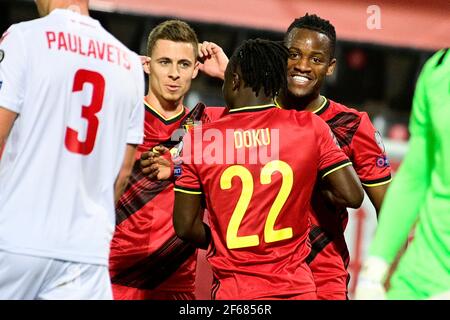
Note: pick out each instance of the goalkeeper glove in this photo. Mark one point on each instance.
(370, 281)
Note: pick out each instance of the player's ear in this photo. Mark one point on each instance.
(331, 67)
(236, 83)
(195, 73)
(145, 63)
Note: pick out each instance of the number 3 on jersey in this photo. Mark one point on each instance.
(270, 234)
(89, 112)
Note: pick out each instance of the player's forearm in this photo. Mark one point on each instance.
(403, 201)
(119, 188)
(121, 184)
(193, 231)
(338, 202)
(2, 144)
(376, 195)
(7, 119)
(187, 219)
(125, 172)
(199, 236)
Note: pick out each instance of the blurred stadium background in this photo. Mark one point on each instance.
(378, 64)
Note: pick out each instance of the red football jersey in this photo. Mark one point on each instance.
(145, 252)
(363, 145)
(257, 167)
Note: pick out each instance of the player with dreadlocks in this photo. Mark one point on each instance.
(311, 42)
(258, 206)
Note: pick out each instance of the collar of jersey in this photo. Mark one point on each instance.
(321, 109)
(74, 15)
(253, 108)
(172, 119)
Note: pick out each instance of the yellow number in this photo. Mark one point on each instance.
(270, 235)
(233, 240)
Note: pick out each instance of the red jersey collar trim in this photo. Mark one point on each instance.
(323, 107)
(253, 108)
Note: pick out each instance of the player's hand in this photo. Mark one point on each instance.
(213, 60)
(145, 63)
(368, 289)
(155, 163)
(371, 279)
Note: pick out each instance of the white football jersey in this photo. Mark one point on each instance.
(78, 94)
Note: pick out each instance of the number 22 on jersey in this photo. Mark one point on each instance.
(88, 113)
(270, 234)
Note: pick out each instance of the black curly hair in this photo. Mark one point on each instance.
(263, 64)
(315, 23)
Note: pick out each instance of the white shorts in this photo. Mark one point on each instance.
(30, 277)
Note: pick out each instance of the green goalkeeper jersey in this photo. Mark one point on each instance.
(420, 193)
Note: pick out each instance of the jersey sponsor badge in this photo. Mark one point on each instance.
(177, 162)
(382, 162)
(2, 55)
(177, 171)
(188, 125)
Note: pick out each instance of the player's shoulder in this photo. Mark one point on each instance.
(437, 59)
(57, 17)
(212, 113)
(337, 107)
(436, 69)
(301, 116)
(215, 109)
(25, 26)
(216, 118)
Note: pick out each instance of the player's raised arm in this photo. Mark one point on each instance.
(213, 61)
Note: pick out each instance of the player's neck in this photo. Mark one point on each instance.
(309, 103)
(167, 109)
(80, 7)
(316, 103)
(253, 101)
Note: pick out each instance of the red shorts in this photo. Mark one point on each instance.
(129, 293)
